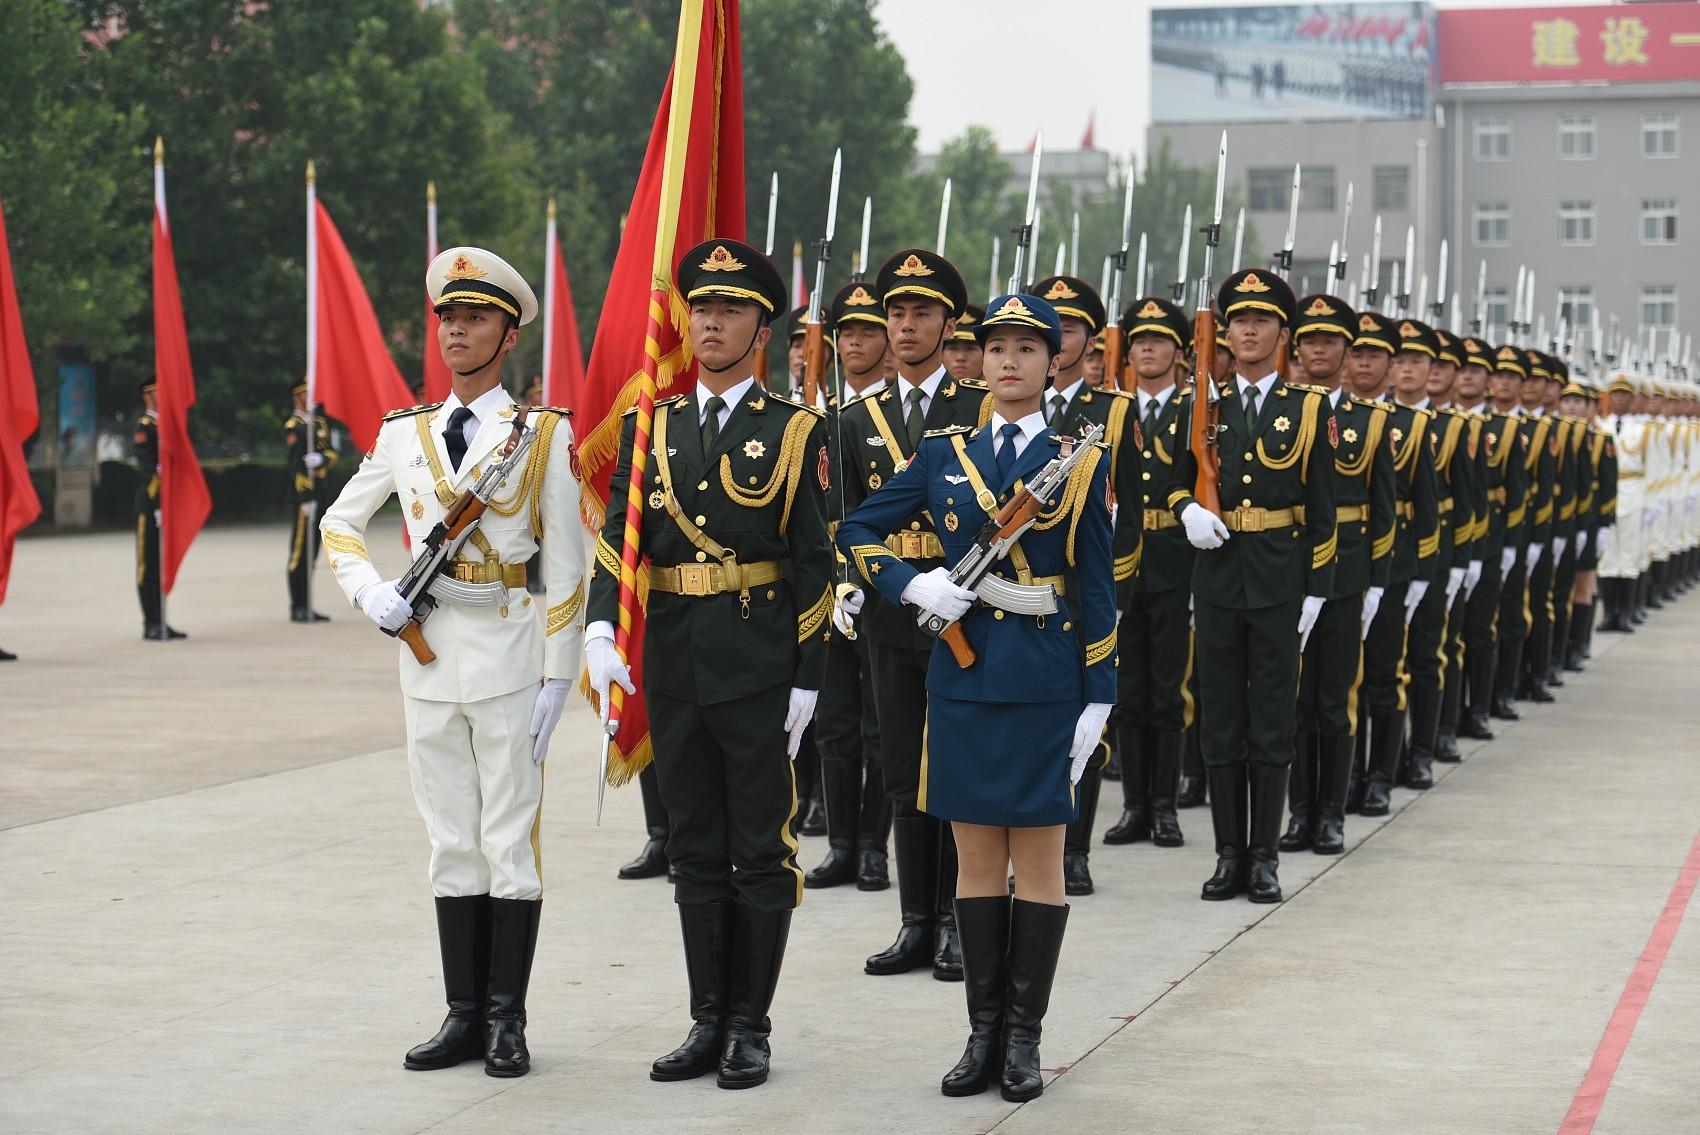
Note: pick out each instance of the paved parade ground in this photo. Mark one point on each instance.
(216, 917)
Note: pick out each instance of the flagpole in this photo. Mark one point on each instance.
(431, 251)
(549, 308)
(312, 442)
(159, 452)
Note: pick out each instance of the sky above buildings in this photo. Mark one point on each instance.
(1019, 66)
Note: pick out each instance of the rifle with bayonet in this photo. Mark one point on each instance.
(814, 342)
(1206, 399)
(994, 541)
(1025, 234)
(772, 211)
(431, 573)
(1284, 268)
(1115, 353)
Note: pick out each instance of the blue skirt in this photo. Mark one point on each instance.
(1004, 765)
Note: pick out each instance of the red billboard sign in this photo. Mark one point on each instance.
(1623, 43)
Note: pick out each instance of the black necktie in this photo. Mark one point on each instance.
(455, 436)
(1151, 419)
(711, 422)
(916, 421)
(1006, 451)
(1250, 410)
(1059, 404)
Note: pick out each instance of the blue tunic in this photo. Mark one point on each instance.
(999, 731)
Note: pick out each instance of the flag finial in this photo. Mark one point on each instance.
(312, 177)
(158, 150)
(551, 208)
(430, 192)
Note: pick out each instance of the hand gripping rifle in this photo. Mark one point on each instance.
(430, 575)
(814, 342)
(993, 542)
(1206, 400)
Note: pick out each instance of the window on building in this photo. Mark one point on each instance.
(1658, 136)
(1658, 306)
(1581, 301)
(1576, 136)
(1576, 222)
(1493, 223)
(1392, 187)
(1658, 222)
(1316, 190)
(1269, 190)
(1498, 304)
(1493, 139)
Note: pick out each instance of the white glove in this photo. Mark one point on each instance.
(1472, 576)
(1414, 598)
(313, 460)
(551, 700)
(1506, 559)
(1533, 556)
(1307, 618)
(310, 509)
(1454, 581)
(1558, 545)
(1581, 542)
(1087, 733)
(934, 593)
(603, 663)
(1606, 533)
(846, 605)
(1204, 529)
(797, 718)
(1372, 604)
(1191, 614)
(157, 522)
(384, 605)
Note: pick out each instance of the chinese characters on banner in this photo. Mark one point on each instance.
(1617, 44)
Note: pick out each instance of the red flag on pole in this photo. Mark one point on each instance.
(20, 414)
(691, 188)
(563, 355)
(351, 372)
(184, 502)
(1089, 140)
(437, 380)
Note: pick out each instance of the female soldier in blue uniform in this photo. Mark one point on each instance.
(1008, 735)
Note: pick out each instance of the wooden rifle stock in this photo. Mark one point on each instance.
(761, 366)
(814, 362)
(958, 643)
(1202, 434)
(1017, 511)
(1115, 359)
(414, 636)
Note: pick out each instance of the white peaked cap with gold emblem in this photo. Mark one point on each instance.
(478, 277)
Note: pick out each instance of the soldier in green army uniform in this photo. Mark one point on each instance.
(923, 296)
(1264, 572)
(1597, 481)
(1448, 437)
(1364, 511)
(1555, 516)
(1070, 405)
(1504, 484)
(962, 353)
(308, 466)
(1442, 393)
(1416, 548)
(145, 437)
(1154, 706)
(1573, 512)
(740, 593)
(1528, 526)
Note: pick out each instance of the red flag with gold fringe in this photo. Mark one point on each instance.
(691, 188)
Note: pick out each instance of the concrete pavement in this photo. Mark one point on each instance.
(216, 916)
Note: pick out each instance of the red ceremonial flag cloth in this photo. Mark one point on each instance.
(354, 375)
(437, 380)
(695, 161)
(184, 502)
(20, 414)
(563, 370)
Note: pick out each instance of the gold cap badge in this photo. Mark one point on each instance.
(1251, 284)
(1408, 330)
(1015, 307)
(722, 261)
(1319, 306)
(1059, 290)
(860, 298)
(464, 269)
(1151, 310)
(912, 266)
(1366, 323)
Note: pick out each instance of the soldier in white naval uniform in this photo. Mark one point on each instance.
(479, 717)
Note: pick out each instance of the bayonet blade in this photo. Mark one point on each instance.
(832, 201)
(867, 220)
(1440, 281)
(1292, 220)
(944, 218)
(1127, 210)
(1139, 276)
(1239, 241)
(1186, 250)
(1074, 248)
(1221, 176)
(772, 210)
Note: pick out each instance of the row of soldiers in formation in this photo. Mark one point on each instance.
(1482, 500)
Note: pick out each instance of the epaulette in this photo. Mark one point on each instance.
(1424, 413)
(797, 404)
(561, 410)
(1309, 387)
(659, 402)
(948, 431)
(975, 383)
(412, 410)
(1371, 403)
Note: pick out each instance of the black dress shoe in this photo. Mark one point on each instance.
(1077, 878)
(814, 817)
(1476, 726)
(1539, 694)
(1262, 885)
(1503, 707)
(1446, 747)
(1555, 677)
(1133, 827)
(1574, 659)
(1191, 794)
(650, 862)
(303, 615)
(7, 656)
(838, 868)
(872, 873)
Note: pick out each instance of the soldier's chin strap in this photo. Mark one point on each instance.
(508, 324)
(747, 349)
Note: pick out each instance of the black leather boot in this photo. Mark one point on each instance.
(758, 951)
(947, 950)
(1638, 602)
(874, 827)
(1035, 943)
(1135, 822)
(1387, 736)
(1451, 705)
(1302, 791)
(917, 895)
(1478, 668)
(1425, 725)
(1559, 643)
(1505, 679)
(707, 932)
(1228, 809)
(1268, 802)
(652, 860)
(1581, 629)
(513, 945)
(1165, 770)
(1077, 836)
(463, 937)
(1616, 620)
(1193, 778)
(983, 926)
(1535, 652)
(841, 788)
(1358, 775)
(1333, 768)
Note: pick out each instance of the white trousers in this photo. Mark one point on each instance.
(480, 794)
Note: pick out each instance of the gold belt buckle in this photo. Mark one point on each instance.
(463, 571)
(912, 545)
(694, 579)
(1251, 518)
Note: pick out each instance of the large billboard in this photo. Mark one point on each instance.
(1295, 62)
(1622, 43)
